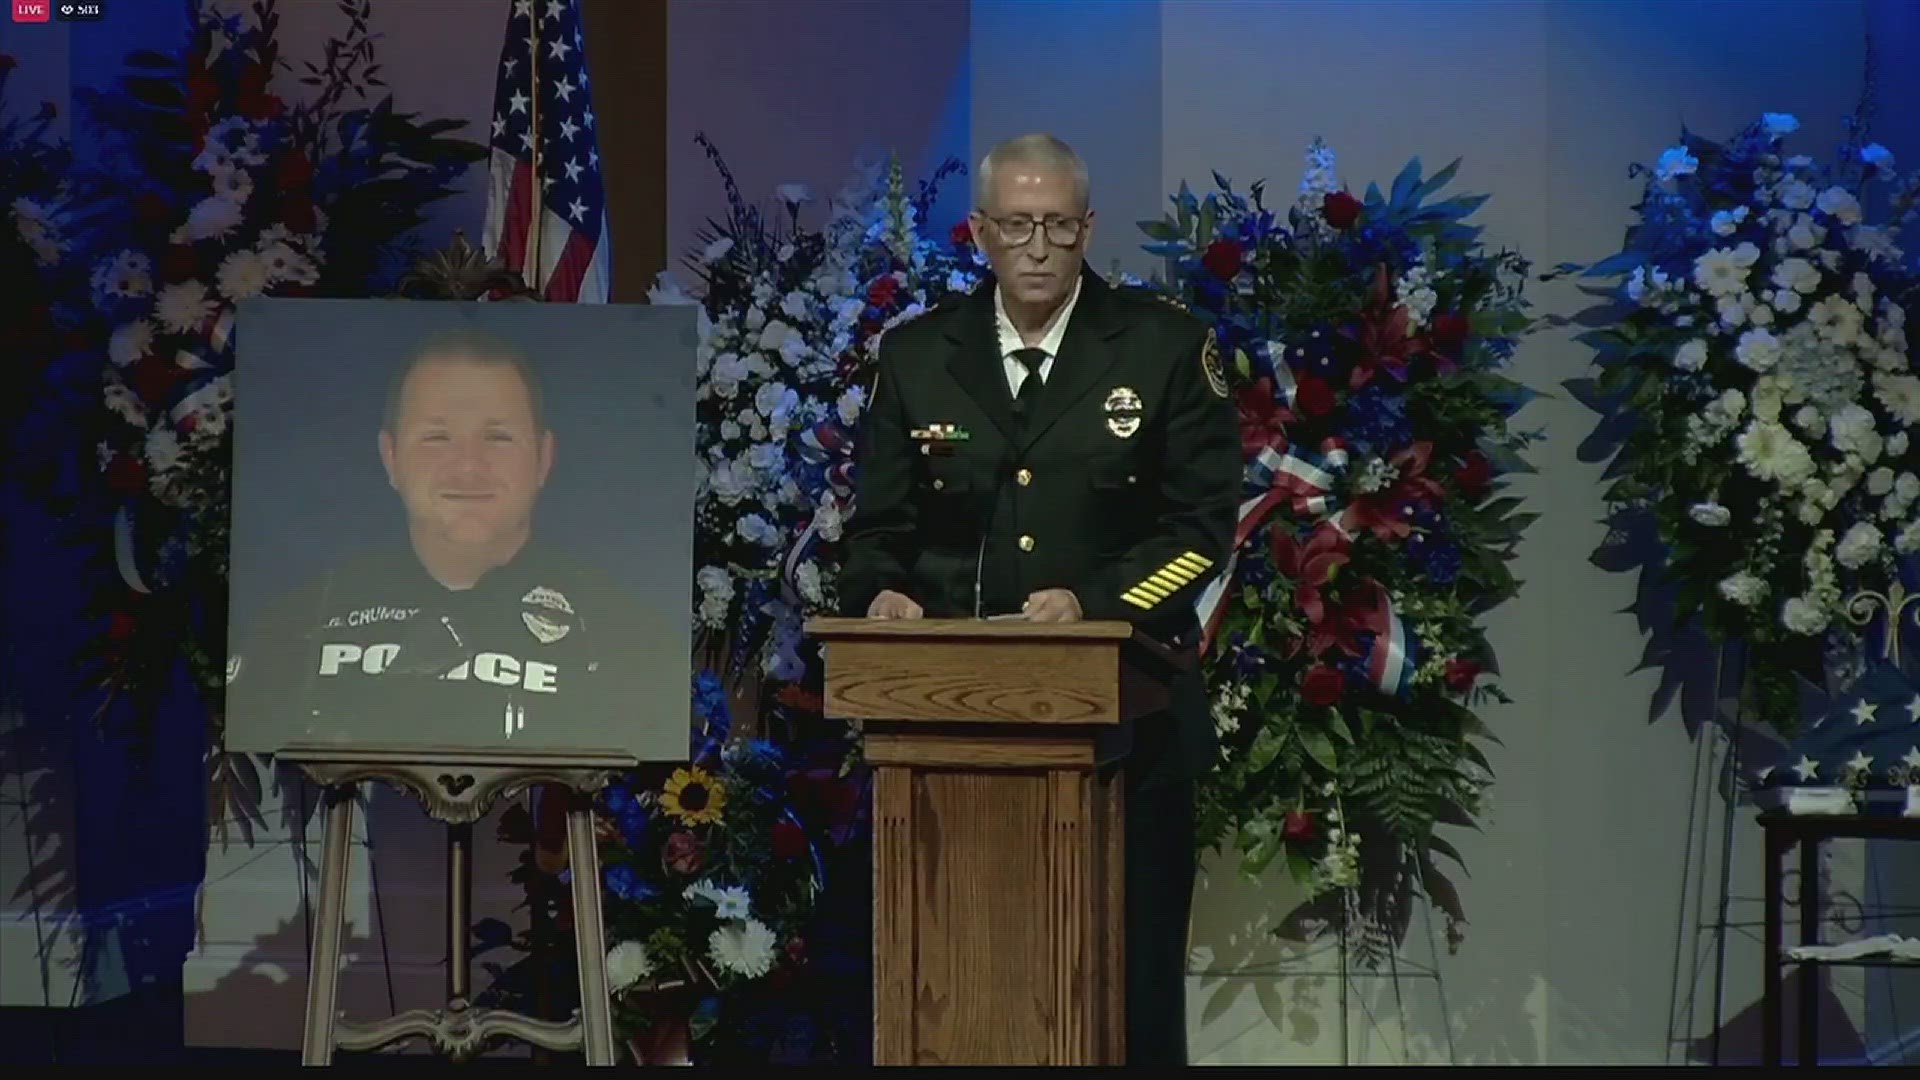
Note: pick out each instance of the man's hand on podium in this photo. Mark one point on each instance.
(893, 605)
(1052, 606)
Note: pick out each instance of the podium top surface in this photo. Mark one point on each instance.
(1002, 629)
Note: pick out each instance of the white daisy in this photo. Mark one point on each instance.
(743, 948)
(183, 307)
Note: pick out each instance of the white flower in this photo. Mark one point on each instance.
(1805, 234)
(130, 342)
(162, 449)
(1859, 546)
(731, 902)
(1803, 616)
(123, 402)
(1779, 124)
(1723, 271)
(1909, 539)
(1692, 356)
(1795, 194)
(1877, 156)
(242, 274)
(1744, 589)
(1759, 350)
(1839, 203)
(797, 306)
(1901, 395)
(627, 964)
(1796, 274)
(714, 581)
(717, 250)
(1710, 513)
(183, 307)
(755, 529)
(1675, 161)
(742, 948)
(807, 578)
(668, 291)
(1770, 452)
(128, 273)
(793, 194)
(828, 521)
(850, 404)
(211, 217)
(1727, 222)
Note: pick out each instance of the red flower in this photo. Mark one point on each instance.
(1322, 685)
(179, 263)
(1313, 396)
(1298, 826)
(202, 92)
(1383, 335)
(1311, 567)
(127, 475)
(1474, 477)
(1263, 420)
(1341, 209)
(880, 294)
(154, 379)
(1381, 511)
(961, 235)
(1222, 259)
(1449, 333)
(797, 950)
(1461, 673)
(789, 840)
(296, 172)
(681, 853)
(122, 626)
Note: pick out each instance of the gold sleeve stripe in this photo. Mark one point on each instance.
(1160, 585)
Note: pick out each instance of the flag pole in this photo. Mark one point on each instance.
(533, 126)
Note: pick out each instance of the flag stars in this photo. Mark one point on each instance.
(559, 49)
(1860, 762)
(499, 126)
(518, 102)
(568, 129)
(578, 209)
(564, 90)
(1913, 758)
(1863, 711)
(1807, 768)
(523, 9)
(1913, 709)
(573, 170)
(554, 8)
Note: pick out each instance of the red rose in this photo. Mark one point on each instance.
(1449, 332)
(122, 626)
(1340, 209)
(881, 293)
(296, 211)
(296, 172)
(1474, 476)
(797, 950)
(154, 379)
(202, 92)
(681, 853)
(962, 234)
(127, 475)
(1323, 685)
(179, 264)
(1298, 826)
(1222, 259)
(1313, 397)
(789, 842)
(1461, 673)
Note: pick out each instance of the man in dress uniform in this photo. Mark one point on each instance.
(472, 632)
(1053, 448)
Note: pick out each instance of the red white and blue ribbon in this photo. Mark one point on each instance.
(1301, 479)
(1395, 652)
(825, 441)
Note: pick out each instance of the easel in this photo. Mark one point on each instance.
(459, 787)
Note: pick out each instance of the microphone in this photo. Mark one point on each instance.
(1004, 470)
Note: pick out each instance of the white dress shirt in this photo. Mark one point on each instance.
(1010, 341)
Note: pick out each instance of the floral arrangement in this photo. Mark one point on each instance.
(34, 167)
(215, 189)
(1754, 342)
(790, 316)
(1346, 654)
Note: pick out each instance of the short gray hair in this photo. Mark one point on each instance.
(1037, 148)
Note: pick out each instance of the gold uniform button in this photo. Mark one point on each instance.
(926, 448)
(1026, 543)
(1023, 477)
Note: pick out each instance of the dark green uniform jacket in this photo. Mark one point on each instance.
(1121, 484)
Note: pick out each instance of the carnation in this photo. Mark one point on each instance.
(744, 947)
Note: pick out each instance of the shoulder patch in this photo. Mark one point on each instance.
(1210, 363)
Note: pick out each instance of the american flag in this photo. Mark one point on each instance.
(543, 80)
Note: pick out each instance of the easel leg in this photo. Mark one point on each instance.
(323, 967)
(590, 936)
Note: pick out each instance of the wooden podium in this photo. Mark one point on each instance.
(998, 838)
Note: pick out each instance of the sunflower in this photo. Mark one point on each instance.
(692, 797)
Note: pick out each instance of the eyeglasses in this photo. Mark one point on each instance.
(1061, 231)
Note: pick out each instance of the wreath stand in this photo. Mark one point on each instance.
(459, 787)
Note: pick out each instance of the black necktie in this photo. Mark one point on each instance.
(1031, 359)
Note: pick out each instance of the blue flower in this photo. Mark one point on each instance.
(623, 882)
(1377, 420)
(1438, 560)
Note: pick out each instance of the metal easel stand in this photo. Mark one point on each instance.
(459, 788)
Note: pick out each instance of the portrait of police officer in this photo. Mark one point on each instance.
(474, 631)
(1054, 448)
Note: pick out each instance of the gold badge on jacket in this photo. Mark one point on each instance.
(1210, 362)
(1123, 410)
